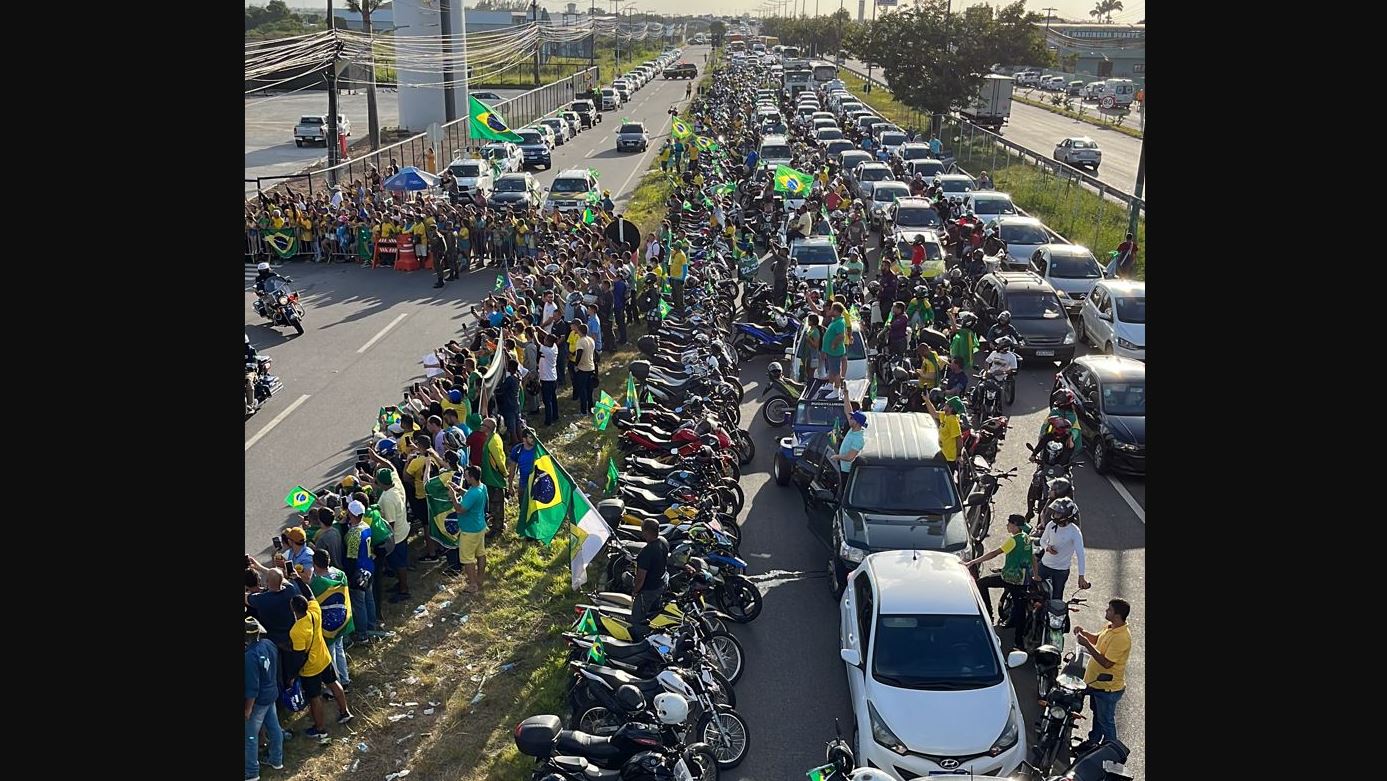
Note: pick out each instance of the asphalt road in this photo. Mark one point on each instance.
(1039, 130)
(367, 330)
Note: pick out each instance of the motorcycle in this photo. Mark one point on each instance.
(635, 752)
(1047, 622)
(780, 408)
(1048, 468)
(264, 384)
(280, 305)
(754, 339)
(979, 503)
(1061, 708)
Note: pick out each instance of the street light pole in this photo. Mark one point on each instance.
(445, 24)
(868, 86)
(1137, 190)
(539, 44)
(332, 141)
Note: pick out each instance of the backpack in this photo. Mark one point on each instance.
(382, 536)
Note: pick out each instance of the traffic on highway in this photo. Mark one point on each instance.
(841, 450)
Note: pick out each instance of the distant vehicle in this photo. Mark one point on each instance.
(519, 191)
(1117, 93)
(684, 70)
(813, 258)
(535, 146)
(313, 129)
(508, 155)
(1027, 78)
(489, 98)
(1093, 90)
(472, 174)
(1112, 408)
(611, 99)
(560, 127)
(572, 190)
(1023, 236)
(587, 110)
(992, 107)
(632, 136)
(1079, 151)
(574, 120)
(1070, 269)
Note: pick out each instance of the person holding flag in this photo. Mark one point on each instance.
(522, 461)
(329, 587)
(471, 519)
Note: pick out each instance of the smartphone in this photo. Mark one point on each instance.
(277, 542)
(363, 455)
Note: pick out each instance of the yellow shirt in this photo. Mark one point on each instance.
(415, 469)
(463, 408)
(1116, 645)
(949, 432)
(572, 343)
(307, 635)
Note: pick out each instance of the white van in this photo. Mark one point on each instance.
(1121, 90)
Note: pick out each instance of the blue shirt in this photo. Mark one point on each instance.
(567, 311)
(619, 295)
(595, 331)
(525, 457)
(303, 558)
(472, 518)
(935, 147)
(854, 439)
(262, 672)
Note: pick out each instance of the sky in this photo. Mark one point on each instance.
(1134, 11)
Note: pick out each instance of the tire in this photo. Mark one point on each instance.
(781, 469)
(298, 325)
(1102, 460)
(746, 447)
(731, 501)
(599, 721)
(726, 653)
(298, 143)
(837, 576)
(744, 347)
(740, 600)
(1011, 392)
(735, 488)
(1080, 332)
(707, 769)
(729, 694)
(1107, 348)
(777, 412)
(982, 521)
(731, 749)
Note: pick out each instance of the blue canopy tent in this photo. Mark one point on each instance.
(410, 178)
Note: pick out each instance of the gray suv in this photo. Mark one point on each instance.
(632, 136)
(535, 148)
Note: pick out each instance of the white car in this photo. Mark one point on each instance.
(927, 678)
(859, 358)
(956, 185)
(1079, 151)
(988, 205)
(815, 257)
(1023, 236)
(512, 159)
(1070, 269)
(473, 174)
(1113, 319)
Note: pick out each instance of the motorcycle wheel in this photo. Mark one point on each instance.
(707, 766)
(982, 521)
(735, 488)
(746, 350)
(1011, 392)
(726, 694)
(740, 600)
(616, 569)
(746, 447)
(776, 412)
(731, 500)
(599, 721)
(725, 651)
(728, 735)
(730, 526)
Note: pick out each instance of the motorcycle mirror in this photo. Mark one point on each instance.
(975, 500)
(1016, 659)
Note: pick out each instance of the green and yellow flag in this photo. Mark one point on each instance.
(680, 128)
(443, 520)
(633, 400)
(549, 491)
(791, 182)
(587, 625)
(284, 241)
(705, 143)
(612, 475)
(300, 499)
(595, 653)
(602, 411)
(821, 773)
(588, 217)
(331, 592)
(664, 309)
(487, 124)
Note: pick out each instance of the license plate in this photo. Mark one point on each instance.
(959, 772)
(1044, 353)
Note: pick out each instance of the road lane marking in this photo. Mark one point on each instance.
(277, 419)
(1128, 498)
(590, 153)
(381, 333)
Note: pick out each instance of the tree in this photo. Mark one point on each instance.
(935, 61)
(716, 31)
(366, 8)
(1105, 8)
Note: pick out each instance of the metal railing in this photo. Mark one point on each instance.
(518, 112)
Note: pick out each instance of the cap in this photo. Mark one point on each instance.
(955, 403)
(296, 534)
(385, 476)
(396, 428)
(860, 419)
(356, 508)
(253, 627)
(455, 396)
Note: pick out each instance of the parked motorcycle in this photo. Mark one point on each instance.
(779, 409)
(1061, 708)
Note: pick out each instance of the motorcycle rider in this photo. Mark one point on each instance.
(975, 264)
(999, 363)
(1062, 406)
(1062, 541)
(992, 243)
(1003, 327)
(263, 273)
(1056, 430)
(1019, 562)
(964, 342)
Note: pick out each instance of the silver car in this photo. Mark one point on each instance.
(1079, 151)
(1023, 236)
(988, 205)
(632, 136)
(1071, 269)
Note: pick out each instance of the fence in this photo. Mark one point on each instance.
(518, 112)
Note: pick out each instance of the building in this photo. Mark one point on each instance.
(1100, 51)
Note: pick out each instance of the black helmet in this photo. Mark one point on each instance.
(1061, 486)
(1005, 343)
(1064, 507)
(1004, 317)
(921, 290)
(630, 698)
(955, 274)
(705, 454)
(936, 396)
(900, 374)
(874, 286)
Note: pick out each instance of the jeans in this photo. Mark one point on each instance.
(585, 381)
(1104, 706)
(1018, 601)
(264, 715)
(363, 609)
(645, 603)
(549, 390)
(339, 659)
(621, 326)
(1057, 578)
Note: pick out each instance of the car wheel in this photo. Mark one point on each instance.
(1102, 460)
(780, 469)
(298, 143)
(837, 576)
(1080, 332)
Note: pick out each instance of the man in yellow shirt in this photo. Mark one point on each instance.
(306, 637)
(1106, 673)
(949, 429)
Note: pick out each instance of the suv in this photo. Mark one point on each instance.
(1036, 313)
(611, 99)
(815, 257)
(516, 190)
(632, 136)
(587, 110)
(819, 409)
(473, 174)
(313, 129)
(899, 493)
(572, 189)
(535, 146)
(1071, 269)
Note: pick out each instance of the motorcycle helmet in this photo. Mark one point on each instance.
(385, 447)
(955, 274)
(1062, 398)
(671, 708)
(900, 374)
(874, 287)
(645, 766)
(262, 266)
(840, 756)
(921, 291)
(1059, 425)
(1005, 343)
(679, 556)
(868, 774)
(775, 370)
(967, 319)
(701, 338)
(630, 698)
(1003, 317)
(671, 681)
(705, 455)
(1064, 507)
(1061, 486)
(936, 397)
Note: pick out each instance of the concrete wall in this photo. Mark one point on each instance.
(422, 105)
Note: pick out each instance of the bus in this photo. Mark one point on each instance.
(824, 71)
(790, 52)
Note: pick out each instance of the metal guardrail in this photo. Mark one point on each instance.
(519, 111)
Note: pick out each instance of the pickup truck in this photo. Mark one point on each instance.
(684, 70)
(313, 129)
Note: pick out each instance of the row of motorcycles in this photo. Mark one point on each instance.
(652, 697)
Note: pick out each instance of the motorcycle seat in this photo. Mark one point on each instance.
(619, 678)
(644, 498)
(589, 770)
(616, 598)
(652, 465)
(584, 745)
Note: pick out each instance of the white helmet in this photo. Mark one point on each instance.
(262, 266)
(670, 708)
(868, 774)
(671, 682)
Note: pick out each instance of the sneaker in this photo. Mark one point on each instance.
(314, 732)
(345, 717)
(276, 767)
(257, 778)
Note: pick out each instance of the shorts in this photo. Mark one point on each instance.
(399, 558)
(313, 685)
(471, 545)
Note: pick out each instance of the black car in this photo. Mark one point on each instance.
(1036, 313)
(1112, 410)
(587, 110)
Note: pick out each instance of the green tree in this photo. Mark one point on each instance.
(366, 8)
(1105, 8)
(716, 31)
(935, 61)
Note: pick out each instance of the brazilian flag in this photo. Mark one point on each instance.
(680, 128)
(549, 491)
(331, 593)
(284, 241)
(792, 182)
(487, 124)
(443, 520)
(821, 773)
(705, 143)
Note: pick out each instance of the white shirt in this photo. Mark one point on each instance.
(549, 309)
(548, 362)
(1068, 540)
(999, 362)
(652, 251)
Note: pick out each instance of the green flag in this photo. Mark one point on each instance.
(725, 188)
(687, 206)
(649, 397)
(821, 773)
(588, 217)
(300, 499)
(664, 309)
(612, 475)
(587, 625)
(595, 653)
(632, 399)
(284, 241)
(550, 490)
(792, 182)
(828, 288)
(487, 124)
(594, 173)
(503, 282)
(443, 518)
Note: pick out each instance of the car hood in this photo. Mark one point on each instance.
(950, 723)
(509, 197)
(901, 532)
(1029, 328)
(911, 235)
(539, 147)
(1127, 428)
(1072, 286)
(1132, 332)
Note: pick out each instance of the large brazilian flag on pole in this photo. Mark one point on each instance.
(550, 492)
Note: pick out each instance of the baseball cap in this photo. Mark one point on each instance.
(356, 508)
(296, 534)
(860, 418)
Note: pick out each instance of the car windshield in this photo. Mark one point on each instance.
(775, 152)
(934, 652)
(1074, 267)
(874, 174)
(830, 134)
(1024, 234)
(311, 120)
(887, 194)
(918, 217)
(608, 91)
(929, 168)
(956, 185)
(466, 170)
(1085, 144)
(892, 139)
(819, 414)
(814, 254)
(838, 145)
(493, 152)
(1125, 398)
(933, 251)
(530, 137)
(631, 129)
(993, 206)
(853, 159)
(914, 489)
(1132, 309)
(569, 185)
(915, 153)
(580, 106)
(510, 186)
(1034, 306)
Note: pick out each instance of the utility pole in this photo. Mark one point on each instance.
(445, 24)
(592, 48)
(1048, 13)
(539, 44)
(868, 86)
(332, 141)
(1141, 182)
(617, 69)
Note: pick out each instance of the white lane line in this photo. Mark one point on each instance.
(381, 333)
(277, 420)
(1127, 497)
(640, 164)
(590, 153)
